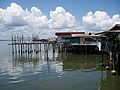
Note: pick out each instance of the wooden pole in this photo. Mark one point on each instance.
(113, 71)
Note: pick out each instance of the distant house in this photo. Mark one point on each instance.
(79, 38)
(64, 37)
(79, 42)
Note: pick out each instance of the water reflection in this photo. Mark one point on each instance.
(110, 82)
(42, 60)
(55, 71)
(81, 62)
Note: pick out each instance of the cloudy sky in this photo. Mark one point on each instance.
(45, 17)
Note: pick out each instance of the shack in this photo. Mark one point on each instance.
(79, 42)
(111, 45)
(63, 37)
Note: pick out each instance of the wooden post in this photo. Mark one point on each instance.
(118, 63)
(53, 48)
(47, 55)
(40, 47)
(12, 45)
(21, 45)
(26, 50)
(31, 48)
(19, 48)
(65, 50)
(102, 58)
(117, 58)
(113, 63)
(110, 56)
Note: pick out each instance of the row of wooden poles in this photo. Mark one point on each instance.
(20, 45)
(29, 48)
(33, 55)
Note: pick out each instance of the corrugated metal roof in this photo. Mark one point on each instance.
(85, 35)
(117, 31)
(68, 33)
(116, 27)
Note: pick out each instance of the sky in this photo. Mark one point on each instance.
(45, 17)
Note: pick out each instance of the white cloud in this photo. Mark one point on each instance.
(16, 20)
(36, 12)
(99, 21)
(61, 19)
(36, 19)
(116, 18)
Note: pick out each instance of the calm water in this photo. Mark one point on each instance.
(57, 72)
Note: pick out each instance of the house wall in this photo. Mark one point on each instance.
(60, 39)
(75, 40)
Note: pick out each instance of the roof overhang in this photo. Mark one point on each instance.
(85, 35)
(67, 33)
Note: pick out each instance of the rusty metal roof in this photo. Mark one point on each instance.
(68, 33)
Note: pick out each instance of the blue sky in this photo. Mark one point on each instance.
(45, 17)
(77, 7)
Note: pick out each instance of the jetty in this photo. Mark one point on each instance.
(27, 47)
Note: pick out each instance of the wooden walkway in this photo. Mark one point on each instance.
(30, 43)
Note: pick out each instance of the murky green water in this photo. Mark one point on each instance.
(57, 72)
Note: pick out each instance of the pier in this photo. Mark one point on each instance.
(29, 47)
